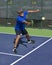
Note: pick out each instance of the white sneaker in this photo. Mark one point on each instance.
(14, 50)
(30, 41)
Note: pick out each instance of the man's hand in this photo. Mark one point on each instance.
(37, 10)
(29, 23)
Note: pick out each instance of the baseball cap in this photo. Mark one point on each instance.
(19, 11)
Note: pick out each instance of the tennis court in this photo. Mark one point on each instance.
(39, 53)
(40, 30)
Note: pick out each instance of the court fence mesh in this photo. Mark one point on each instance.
(42, 19)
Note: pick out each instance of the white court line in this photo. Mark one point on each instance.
(10, 54)
(31, 51)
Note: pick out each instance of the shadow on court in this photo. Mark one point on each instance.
(42, 56)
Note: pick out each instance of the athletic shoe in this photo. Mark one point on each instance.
(14, 50)
(31, 41)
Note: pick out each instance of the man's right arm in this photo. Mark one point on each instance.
(26, 22)
(23, 21)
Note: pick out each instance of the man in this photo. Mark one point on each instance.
(20, 27)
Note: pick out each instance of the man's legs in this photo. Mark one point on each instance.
(16, 40)
(24, 32)
(28, 38)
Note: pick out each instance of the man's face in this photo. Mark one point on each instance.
(21, 14)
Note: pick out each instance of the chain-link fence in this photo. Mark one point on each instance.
(8, 12)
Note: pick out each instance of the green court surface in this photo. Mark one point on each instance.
(32, 31)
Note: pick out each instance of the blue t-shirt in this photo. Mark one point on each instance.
(19, 22)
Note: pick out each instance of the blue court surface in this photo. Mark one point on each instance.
(39, 53)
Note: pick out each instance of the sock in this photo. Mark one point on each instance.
(28, 40)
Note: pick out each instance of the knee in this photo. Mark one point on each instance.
(18, 36)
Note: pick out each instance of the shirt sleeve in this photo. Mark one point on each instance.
(25, 14)
(21, 20)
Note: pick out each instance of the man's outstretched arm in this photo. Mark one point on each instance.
(34, 10)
